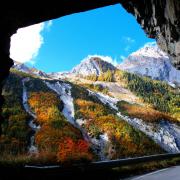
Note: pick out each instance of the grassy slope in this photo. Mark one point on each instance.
(158, 94)
(145, 113)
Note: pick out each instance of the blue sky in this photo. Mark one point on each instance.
(64, 42)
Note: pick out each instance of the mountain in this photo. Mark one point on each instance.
(152, 62)
(21, 67)
(59, 75)
(62, 121)
(93, 65)
(68, 117)
(33, 71)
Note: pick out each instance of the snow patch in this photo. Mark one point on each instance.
(105, 99)
(166, 134)
(152, 62)
(80, 122)
(104, 137)
(33, 125)
(64, 91)
(98, 144)
(101, 144)
(96, 67)
(32, 148)
(25, 99)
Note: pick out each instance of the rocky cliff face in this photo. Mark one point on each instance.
(152, 62)
(93, 65)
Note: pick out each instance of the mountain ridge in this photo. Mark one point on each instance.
(149, 61)
(33, 71)
(152, 62)
(93, 65)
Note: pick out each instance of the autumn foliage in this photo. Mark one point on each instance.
(143, 112)
(70, 150)
(58, 140)
(124, 139)
(57, 136)
(45, 105)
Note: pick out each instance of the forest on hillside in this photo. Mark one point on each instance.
(60, 141)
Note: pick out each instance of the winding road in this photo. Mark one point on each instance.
(172, 173)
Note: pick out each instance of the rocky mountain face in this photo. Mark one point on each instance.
(93, 65)
(33, 71)
(149, 61)
(152, 62)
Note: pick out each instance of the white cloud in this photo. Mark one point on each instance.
(49, 24)
(105, 58)
(25, 44)
(127, 48)
(122, 57)
(128, 42)
(128, 39)
(150, 44)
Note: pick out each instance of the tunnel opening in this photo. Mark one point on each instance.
(47, 99)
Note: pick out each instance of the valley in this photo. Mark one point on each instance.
(95, 112)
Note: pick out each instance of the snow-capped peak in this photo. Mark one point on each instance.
(150, 50)
(151, 61)
(94, 64)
